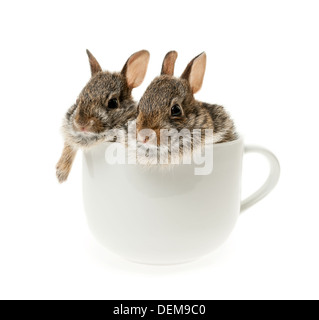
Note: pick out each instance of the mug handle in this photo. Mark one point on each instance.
(271, 181)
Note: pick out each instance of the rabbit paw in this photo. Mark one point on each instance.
(62, 172)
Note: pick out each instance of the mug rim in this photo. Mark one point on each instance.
(229, 144)
(240, 139)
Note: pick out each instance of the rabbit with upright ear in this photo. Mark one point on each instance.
(104, 104)
(169, 103)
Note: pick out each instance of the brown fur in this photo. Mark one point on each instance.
(91, 111)
(169, 63)
(65, 163)
(167, 90)
(95, 66)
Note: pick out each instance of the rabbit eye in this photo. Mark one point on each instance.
(113, 104)
(176, 111)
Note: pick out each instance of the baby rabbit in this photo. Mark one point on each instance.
(104, 104)
(169, 103)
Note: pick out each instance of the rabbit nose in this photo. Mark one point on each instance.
(148, 136)
(143, 139)
(83, 127)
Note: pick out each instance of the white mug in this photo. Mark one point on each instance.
(157, 216)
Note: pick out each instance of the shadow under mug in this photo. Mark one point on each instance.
(157, 216)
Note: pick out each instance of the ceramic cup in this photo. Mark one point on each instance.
(157, 216)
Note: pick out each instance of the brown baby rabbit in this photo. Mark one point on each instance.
(104, 104)
(169, 103)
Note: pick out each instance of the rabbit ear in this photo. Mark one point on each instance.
(195, 72)
(95, 67)
(135, 68)
(169, 63)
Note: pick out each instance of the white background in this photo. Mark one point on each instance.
(263, 66)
